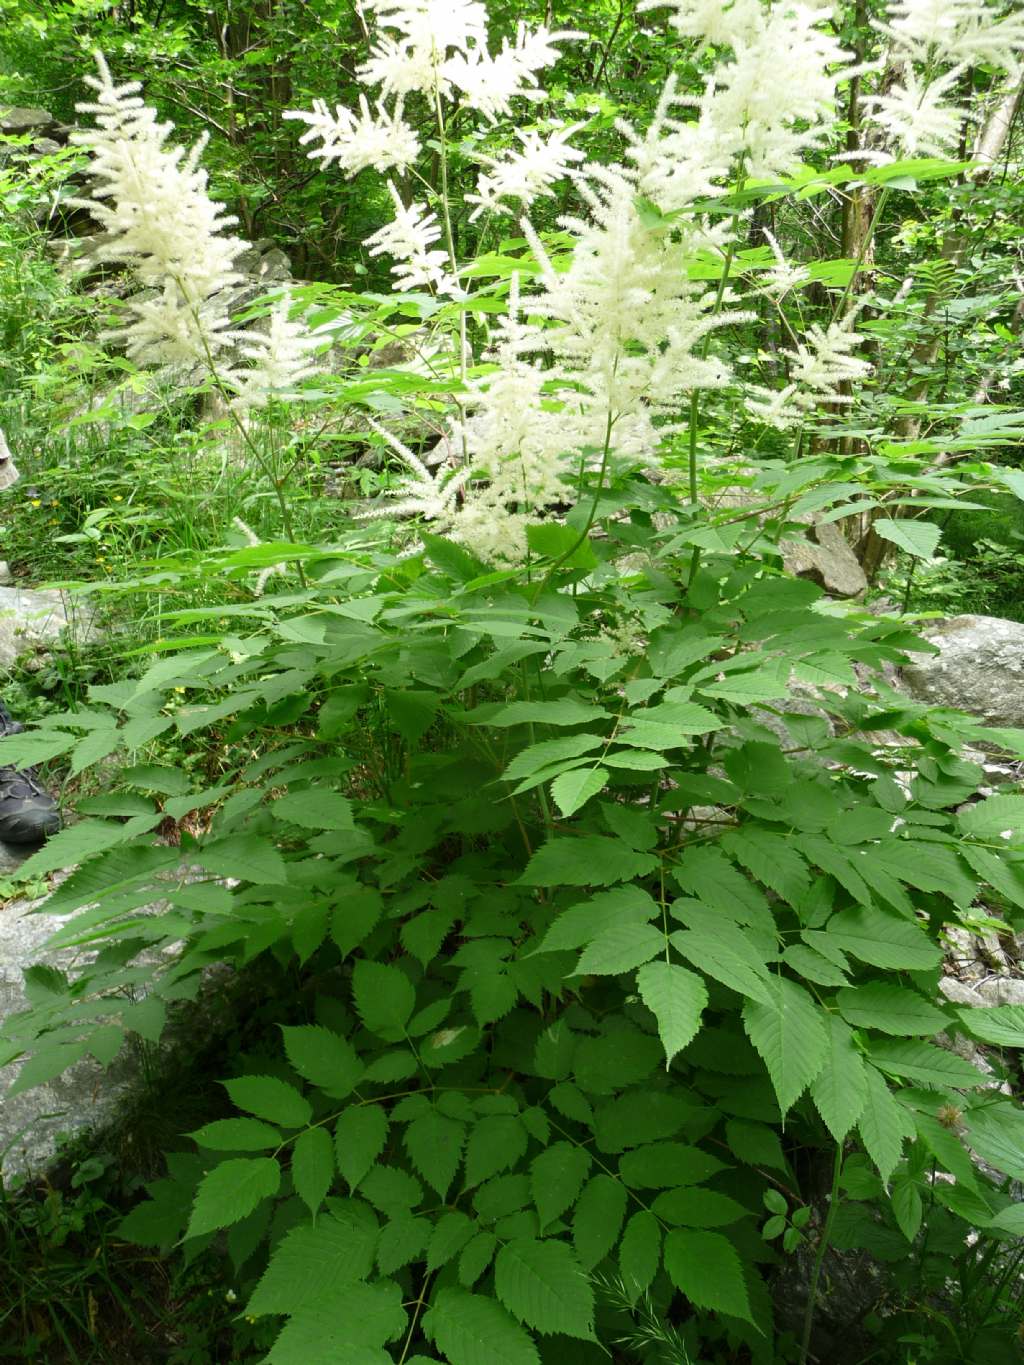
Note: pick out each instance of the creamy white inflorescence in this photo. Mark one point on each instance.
(151, 200)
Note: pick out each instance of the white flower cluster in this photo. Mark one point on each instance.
(772, 100)
(161, 224)
(619, 340)
(151, 201)
(279, 359)
(822, 361)
(525, 176)
(385, 142)
(409, 238)
(439, 49)
(915, 112)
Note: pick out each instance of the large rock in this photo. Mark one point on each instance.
(21, 120)
(31, 619)
(86, 1096)
(979, 668)
(825, 557)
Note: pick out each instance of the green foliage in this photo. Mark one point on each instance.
(537, 1046)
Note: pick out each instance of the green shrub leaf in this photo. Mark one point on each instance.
(231, 1191)
(676, 997)
(544, 1286)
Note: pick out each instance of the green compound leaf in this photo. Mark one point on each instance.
(385, 998)
(890, 1009)
(434, 1143)
(706, 1268)
(790, 1035)
(992, 817)
(236, 1135)
(926, 1065)
(556, 1178)
(351, 1324)
(1002, 1024)
(473, 1330)
(231, 1191)
(359, 1138)
(677, 998)
(883, 940)
(590, 860)
(640, 1252)
(544, 1286)
(883, 1124)
(314, 808)
(270, 1099)
(598, 1219)
(323, 1058)
(620, 948)
(917, 538)
(312, 1260)
(574, 789)
(313, 1166)
(840, 1087)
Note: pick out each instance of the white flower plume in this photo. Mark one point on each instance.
(384, 141)
(914, 115)
(409, 238)
(525, 175)
(822, 361)
(152, 202)
(717, 22)
(960, 32)
(419, 493)
(280, 359)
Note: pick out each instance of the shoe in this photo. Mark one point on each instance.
(28, 813)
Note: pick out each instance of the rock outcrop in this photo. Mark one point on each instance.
(31, 620)
(979, 668)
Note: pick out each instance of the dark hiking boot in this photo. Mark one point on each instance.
(28, 814)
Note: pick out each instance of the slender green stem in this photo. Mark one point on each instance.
(449, 233)
(819, 1257)
(590, 516)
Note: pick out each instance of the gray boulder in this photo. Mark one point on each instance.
(979, 668)
(84, 1097)
(825, 557)
(36, 619)
(18, 120)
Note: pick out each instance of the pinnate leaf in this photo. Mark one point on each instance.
(313, 1260)
(640, 1252)
(574, 789)
(839, 1089)
(236, 1135)
(323, 1058)
(544, 1286)
(231, 1191)
(271, 1099)
(359, 1138)
(883, 940)
(889, 1009)
(789, 1033)
(883, 1124)
(434, 1143)
(620, 948)
(589, 860)
(598, 1219)
(676, 997)
(313, 1166)
(473, 1330)
(385, 998)
(556, 1178)
(706, 1268)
